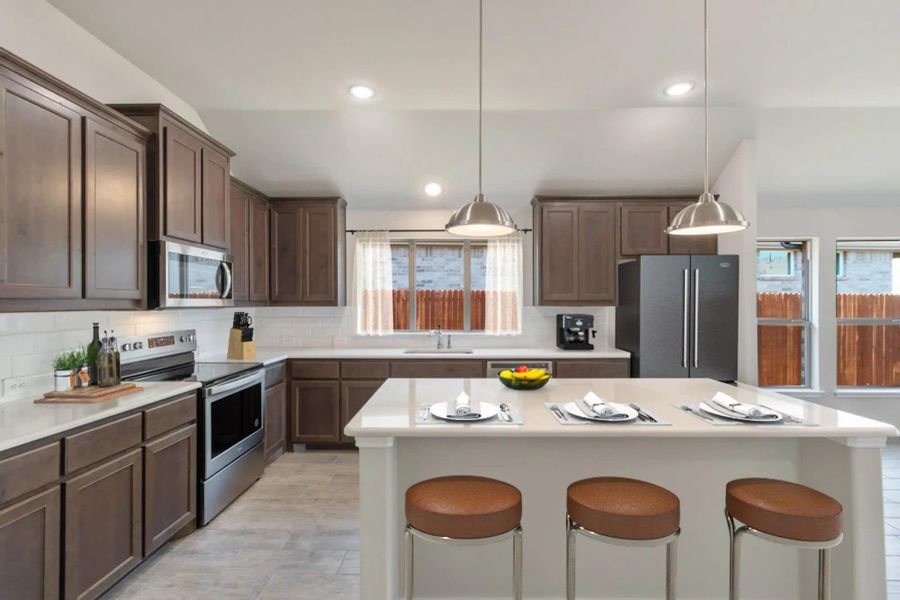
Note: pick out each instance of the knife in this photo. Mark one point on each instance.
(643, 414)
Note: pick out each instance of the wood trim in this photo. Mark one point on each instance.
(163, 110)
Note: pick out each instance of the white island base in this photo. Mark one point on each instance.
(840, 456)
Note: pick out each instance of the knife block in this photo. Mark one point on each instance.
(240, 350)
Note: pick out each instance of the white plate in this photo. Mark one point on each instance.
(632, 414)
(487, 410)
(707, 407)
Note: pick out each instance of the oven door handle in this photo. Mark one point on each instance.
(237, 384)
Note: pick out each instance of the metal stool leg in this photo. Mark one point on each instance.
(671, 562)
(408, 567)
(570, 559)
(517, 564)
(734, 555)
(825, 574)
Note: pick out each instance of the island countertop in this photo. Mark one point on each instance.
(392, 410)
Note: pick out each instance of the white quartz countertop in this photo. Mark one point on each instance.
(23, 421)
(392, 410)
(399, 353)
(266, 357)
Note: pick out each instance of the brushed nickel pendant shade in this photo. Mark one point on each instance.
(707, 216)
(480, 218)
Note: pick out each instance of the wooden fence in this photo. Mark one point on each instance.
(868, 355)
(438, 307)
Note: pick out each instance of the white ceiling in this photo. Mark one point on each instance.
(573, 88)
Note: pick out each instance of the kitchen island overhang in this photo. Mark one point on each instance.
(839, 455)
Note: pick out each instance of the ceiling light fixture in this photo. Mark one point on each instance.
(361, 92)
(433, 189)
(707, 216)
(679, 89)
(480, 218)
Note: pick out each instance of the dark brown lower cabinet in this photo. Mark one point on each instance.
(275, 416)
(592, 369)
(354, 394)
(170, 486)
(103, 522)
(29, 541)
(315, 412)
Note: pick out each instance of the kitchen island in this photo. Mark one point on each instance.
(837, 453)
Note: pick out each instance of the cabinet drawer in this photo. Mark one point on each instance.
(93, 445)
(451, 369)
(169, 416)
(274, 374)
(365, 369)
(28, 471)
(315, 369)
(591, 369)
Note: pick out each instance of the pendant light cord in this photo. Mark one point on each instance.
(480, 87)
(706, 96)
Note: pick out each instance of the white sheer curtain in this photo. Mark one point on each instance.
(374, 286)
(503, 286)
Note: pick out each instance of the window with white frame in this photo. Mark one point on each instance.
(782, 311)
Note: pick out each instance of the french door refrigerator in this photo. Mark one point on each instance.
(678, 316)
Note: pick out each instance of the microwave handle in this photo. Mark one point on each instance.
(226, 279)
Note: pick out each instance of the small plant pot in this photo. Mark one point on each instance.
(62, 380)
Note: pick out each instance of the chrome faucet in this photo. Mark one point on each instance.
(440, 336)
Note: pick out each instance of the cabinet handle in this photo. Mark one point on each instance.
(696, 318)
(684, 321)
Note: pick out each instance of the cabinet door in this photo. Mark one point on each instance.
(597, 254)
(559, 253)
(274, 436)
(183, 205)
(286, 253)
(315, 412)
(690, 244)
(354, 394)
(30, 538)
(259, 250)
(102, 526)
(215, 192)
(170, 486)
(114, 230)
(240, 245)
(643, 229)
(40, 195)
(319, 248)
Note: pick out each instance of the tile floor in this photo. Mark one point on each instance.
(295, 535)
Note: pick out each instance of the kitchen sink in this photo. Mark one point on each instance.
(438, 351)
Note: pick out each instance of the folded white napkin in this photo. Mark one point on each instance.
(463, 406)
(599, 407)
(729, 404)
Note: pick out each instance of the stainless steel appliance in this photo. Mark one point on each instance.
(495, 366)
(678, 316)
(574, 332)
(230, 412)
(184, 275)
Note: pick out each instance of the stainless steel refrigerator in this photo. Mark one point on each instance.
(678, 316)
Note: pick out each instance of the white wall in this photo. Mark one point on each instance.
(42, 35)
(737, 187)
(839, 216)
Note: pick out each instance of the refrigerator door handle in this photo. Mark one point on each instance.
(685, 320)
(696, 318)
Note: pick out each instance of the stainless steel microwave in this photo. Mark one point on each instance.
(186, 276)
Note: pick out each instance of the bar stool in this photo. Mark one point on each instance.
(624, 512)
(464, 510)
(786, 513)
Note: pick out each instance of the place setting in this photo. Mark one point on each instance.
(467, 411)
(593, 409)
(723, 409)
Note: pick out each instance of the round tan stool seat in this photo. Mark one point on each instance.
(784, 509)
(463, 507)
(623, 508)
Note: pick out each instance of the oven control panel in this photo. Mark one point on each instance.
(142, 347)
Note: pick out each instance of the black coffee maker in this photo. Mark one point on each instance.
(573, 332)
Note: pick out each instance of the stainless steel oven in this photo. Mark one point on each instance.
(185, 275)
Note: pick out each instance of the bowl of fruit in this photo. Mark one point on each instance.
(524, 378)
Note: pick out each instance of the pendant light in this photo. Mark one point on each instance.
(706, 216)
(480, 218)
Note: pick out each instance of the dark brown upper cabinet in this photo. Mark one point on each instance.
(188, 178)
(690, 244)
(644, 228)
(249, 243)
(216, 208)
(576, 246)
(259, 249)
(307, 251)
(73, 192)
(240, 242)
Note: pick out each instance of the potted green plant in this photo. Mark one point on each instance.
(69, 370)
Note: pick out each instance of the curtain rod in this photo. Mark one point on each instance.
(355, 231)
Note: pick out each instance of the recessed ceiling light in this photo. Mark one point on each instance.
(361, 92)
(433, 189)
(679, 89)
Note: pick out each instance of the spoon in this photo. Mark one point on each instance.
(504, 410)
